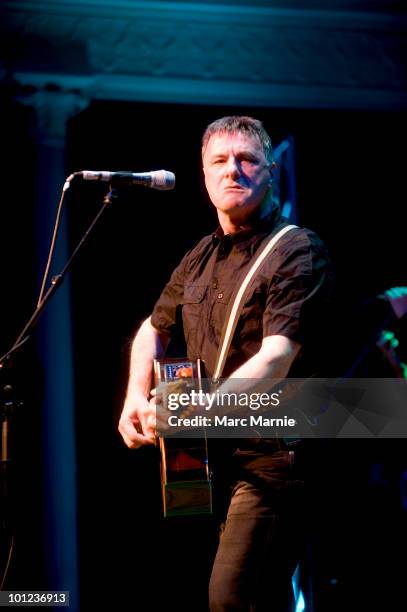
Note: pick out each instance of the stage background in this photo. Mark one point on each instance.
(105, 507)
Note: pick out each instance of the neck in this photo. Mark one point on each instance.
(228, 225)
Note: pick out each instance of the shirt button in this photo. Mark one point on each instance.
(215, 285)
(220, 296)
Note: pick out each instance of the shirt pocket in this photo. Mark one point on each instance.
(193, 313)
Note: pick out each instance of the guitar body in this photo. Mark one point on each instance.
(185, 478)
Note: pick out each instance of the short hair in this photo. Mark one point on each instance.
(239, 123)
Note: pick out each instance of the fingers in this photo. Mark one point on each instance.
(160, 415)
(134, 434)
(397, 296)
(142, 419)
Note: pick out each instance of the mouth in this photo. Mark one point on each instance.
(233, 188)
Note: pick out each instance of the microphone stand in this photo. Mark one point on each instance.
(8, 404)
(55, 283)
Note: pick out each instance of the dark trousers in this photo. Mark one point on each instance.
(262, 538)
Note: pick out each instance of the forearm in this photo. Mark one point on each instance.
(137, 421)
(272, 361)
(148, 345)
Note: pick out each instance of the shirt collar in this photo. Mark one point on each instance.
(255, 228)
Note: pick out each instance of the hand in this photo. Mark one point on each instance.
(137, 424)
(387, 342)
(161, 414)
(159, 403)
(180, 417)
(397, 296)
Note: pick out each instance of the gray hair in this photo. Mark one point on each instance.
(244, 125)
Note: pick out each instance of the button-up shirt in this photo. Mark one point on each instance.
(289, 296)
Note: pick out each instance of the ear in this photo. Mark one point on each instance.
(271, 168)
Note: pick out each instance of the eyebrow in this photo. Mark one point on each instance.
(240, 152)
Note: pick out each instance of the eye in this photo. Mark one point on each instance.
(248, 160)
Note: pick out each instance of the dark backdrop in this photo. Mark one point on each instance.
(350, 188)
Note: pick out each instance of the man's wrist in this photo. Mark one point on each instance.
(136, 395)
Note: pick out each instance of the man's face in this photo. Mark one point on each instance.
(237, 174)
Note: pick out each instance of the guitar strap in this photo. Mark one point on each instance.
(238, 299)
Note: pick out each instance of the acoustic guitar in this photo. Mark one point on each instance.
(185, 476)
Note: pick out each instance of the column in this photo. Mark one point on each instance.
(53, 107)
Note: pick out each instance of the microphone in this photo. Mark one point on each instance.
(162, 180)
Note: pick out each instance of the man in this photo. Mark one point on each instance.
(261, 538)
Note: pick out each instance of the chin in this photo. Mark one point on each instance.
(238, 214)
(232, 204)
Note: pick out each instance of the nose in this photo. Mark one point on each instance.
(232, 167)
